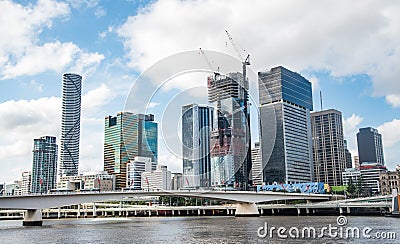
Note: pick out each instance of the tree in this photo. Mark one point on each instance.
(351, 188)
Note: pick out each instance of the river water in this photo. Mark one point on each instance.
(201, 229)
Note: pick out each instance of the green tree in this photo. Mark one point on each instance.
(351, 188)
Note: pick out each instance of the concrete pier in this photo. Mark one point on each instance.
(246, 210)
(33, 217)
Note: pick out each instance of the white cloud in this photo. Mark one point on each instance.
(97, 98)
(390, 132)
(301, 35)
(391, 141)
(350, 127)
(393, 100)
(173, 163)
(21, 52)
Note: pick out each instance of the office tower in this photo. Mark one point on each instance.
(230, 138)
(44, 168)
(257, 169)
(177, 181)
(134, 170)
(285, 105)
(26, 180)
(70, 124)
(127, 136)
(157, 180)
(196, 129)
(328, 146)
(347, 153)
(370, 148)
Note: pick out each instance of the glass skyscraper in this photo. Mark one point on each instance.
(44, 167)
(70, 124)
(328, 146)
(197, 122)
(230, 138)
(285, 105)
(127, 136)
(370, 149)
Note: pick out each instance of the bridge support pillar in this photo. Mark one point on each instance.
(33, 217)
(298, 211)
(341, 211)
(307, 211)
(348, 210)
(198, 211)
(246, 210)
(78, 214)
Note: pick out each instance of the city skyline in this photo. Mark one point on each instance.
(108, 58)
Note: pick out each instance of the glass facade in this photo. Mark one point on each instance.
(44, 167)
(196, 129)
(285, 104)
(230, 138)
(370, 148)
(127, 136)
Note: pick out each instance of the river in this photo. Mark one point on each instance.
(201, 229)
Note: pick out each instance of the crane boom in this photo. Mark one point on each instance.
(234, 45)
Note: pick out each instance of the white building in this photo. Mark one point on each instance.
(352, 173)
(370, 174)
(135, 169)
(157, 180)
(99, 180)
(177, 181)
(13, 189)
(26, 182)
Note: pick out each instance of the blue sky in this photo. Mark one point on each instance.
(350, 51)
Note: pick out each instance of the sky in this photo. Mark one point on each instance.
(349, 50)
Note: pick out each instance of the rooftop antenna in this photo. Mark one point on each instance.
(320, 98)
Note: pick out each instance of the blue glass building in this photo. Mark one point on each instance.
(285, 105)
(127, 136)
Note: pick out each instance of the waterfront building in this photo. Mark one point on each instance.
(390, 180)
(26, 178)
(177, 181)
(157, 180)
(370, 174)
(347, 153)
(89, 181)
(257, 169)
(285, 105)
(370, 147)
(230, 136)
(351, 173)
(134, 170)
(197, 122)
(356, 162)
(328, 146)
(44, 167)
(127, 136)
(70, 124)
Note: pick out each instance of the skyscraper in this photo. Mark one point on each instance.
(285, 105)
(127, 136)
(230, 138)
(196, 129)
(370, 148)
(70, 124)
(44, 167)
(257, 169)
(328, 146)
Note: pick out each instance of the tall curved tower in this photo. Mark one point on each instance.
(70, 124)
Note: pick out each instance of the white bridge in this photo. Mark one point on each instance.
(245, 200)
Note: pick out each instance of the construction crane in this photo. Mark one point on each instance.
(216, 72)
(245, 61)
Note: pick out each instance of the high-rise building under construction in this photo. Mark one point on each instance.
(230, 137)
